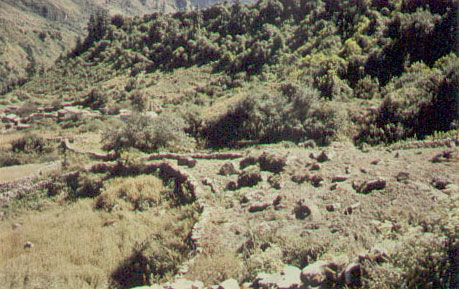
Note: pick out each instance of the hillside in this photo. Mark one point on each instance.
(34, 33)
(279, 144)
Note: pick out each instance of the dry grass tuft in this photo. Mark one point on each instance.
(132, 193)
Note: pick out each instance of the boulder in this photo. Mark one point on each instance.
(301, 211)
(349, 210)
(316, 180)
(288, 278)
(231, 186)
(440, 184)
(183, 284)
(351, 275)
(227, 169)
(272, 162)
(300, 178)
(249, 177)
(29, 245)
(229, 284)
(248, 161)
(402, 176)
(258, 207)
(275, 181)
(369, 186)
(186, 161)
(337, 179)
(318, 273)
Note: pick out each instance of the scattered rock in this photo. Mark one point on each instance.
(300, 178)
(231, 186)
(288, 278)
(440, 184)
(208, 182)
(258, 207)
(307, 144)
(248, 161)
(352, 274)
(229, 284)
(332, 207)
(272, 162)
(249, 178)
(316, 180)
(301, 210)
(277, 200)
(315, 167)
(363, 170)
(323, 157)
(275, 181)
(186, 161)
(402, 176)
(29, 245)
(316, 274)
(333, 187)
(375, 162)
(369, 186)
(337, 179)
(349, 210)
(442, 157)
(347, 170)
(227, 169)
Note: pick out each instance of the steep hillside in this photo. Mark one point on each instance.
(34, 33)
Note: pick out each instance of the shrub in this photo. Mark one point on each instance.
(292, 115)
(148, 134)
(96, 99)
(29, 144)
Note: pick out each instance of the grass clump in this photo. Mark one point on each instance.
(131, 193)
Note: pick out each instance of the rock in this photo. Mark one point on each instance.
(182, 284)
(277, 200)
(272, 162)
(442, 157)
(316, 274)
(332, 207)
(301, 211)
(440, 184)
(337, 179)
(322, 157)
(300, 178)
(333, 187)
(229, 284)
(307, 144)
(186, 161)
(231, 186)
(402, 176)
(349, 210)
(352, 274)
(363, 170)
(16, 225)
(316, 180)
(248, 161)
(29, 245)
(347, 170)
(375, 162)
(227, 169)
(258, 207)
(275, 181)
(249, 177)
(315, 167)
(288, 278)
(369, 186)
(208, 182)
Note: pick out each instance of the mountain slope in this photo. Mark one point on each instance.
(34, 33)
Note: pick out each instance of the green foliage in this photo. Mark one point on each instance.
(29, 144)
(290, 115)
(148, 134)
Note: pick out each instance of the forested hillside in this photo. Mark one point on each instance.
(34, 33)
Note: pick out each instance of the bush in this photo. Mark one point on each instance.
(293, 115)
(148, 134)
(29, 144)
